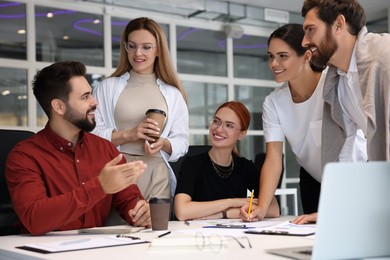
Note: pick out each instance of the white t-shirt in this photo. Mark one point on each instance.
(301, 124)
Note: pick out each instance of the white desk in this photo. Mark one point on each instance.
(260, 243)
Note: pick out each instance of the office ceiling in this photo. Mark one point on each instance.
(239, 11)
(375, 9)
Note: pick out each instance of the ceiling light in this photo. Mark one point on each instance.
(65, 37)
(5, 92)
(49, 15)
(277, 16)
(96, 21)
(22, 31)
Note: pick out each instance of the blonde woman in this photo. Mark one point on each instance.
(145, 79)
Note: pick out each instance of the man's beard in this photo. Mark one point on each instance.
(78, 120)
(325, 51)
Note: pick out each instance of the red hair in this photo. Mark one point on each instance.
(242, 113)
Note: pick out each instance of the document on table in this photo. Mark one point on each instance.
(84, 242)
(231, 227)
(233, 223)
(121, 229)
(285, 228)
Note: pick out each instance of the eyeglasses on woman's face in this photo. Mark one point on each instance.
(132, 47)
(216, 122)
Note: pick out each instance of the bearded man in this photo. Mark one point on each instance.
(357, 87)
(64, 177)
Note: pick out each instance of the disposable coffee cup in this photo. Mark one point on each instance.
(159, 116)
(159, 211)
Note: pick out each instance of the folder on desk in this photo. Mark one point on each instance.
(82, 243)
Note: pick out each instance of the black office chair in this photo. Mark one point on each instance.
(192, 150)
(9, 138)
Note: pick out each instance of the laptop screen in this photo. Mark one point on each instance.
(354, 211)
(353, 215)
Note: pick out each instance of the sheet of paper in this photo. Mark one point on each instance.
(122, 229)
(84, 242)
(287, 228)
(238, 222)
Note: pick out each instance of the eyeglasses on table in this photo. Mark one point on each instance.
(216, 242)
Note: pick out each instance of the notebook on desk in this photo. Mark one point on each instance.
(353, 215)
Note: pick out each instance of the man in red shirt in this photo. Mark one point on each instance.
(65, 177)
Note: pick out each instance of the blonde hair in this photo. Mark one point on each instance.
(163, 67)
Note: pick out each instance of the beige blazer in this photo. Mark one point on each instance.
(373, 63)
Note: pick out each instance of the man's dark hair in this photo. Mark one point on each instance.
(329, 10)
(52, 82)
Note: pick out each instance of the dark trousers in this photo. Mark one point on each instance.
(310, 192)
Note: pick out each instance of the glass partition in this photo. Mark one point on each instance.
(253, 98)
(201, 52)
(68, 35)
(13, 97)
(250, 146)
(204, 99)
(13, 43)
(250, 58)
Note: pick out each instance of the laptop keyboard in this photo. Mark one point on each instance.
(305, 252)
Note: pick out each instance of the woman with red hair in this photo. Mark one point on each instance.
(215, 184)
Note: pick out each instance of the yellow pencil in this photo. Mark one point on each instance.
(250, 205)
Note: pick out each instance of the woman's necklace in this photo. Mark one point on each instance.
(223, 172)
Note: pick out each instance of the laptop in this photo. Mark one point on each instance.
(353, 215)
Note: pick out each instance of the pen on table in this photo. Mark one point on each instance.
(127, 236)
(164, 234)
(250, 205)
(75, 241)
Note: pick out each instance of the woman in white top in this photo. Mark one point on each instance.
(145, 79)
(294, 111)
